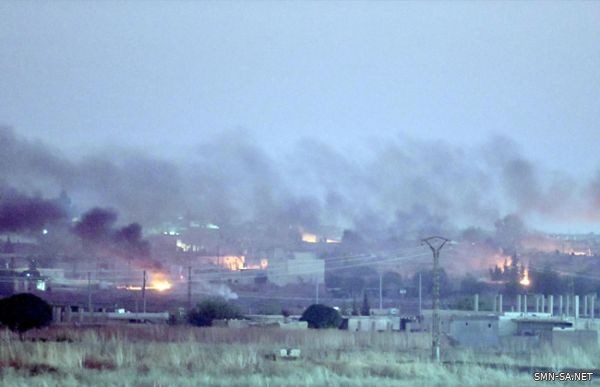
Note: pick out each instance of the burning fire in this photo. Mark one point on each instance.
(237, 263)
(525, 280)
(309, 238)
(158, 281)
(262, 265)
(503, 261)
(233, 262)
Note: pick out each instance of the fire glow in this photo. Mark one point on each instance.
(525, 280)
(238, 262)
(503, 261)
(308, 237)
(158, 282)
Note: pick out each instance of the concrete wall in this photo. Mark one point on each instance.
(280, 323)
(566, 338)
(522, 344)
(506, 326)
(230, 323)
(475, 332)
(373, 323)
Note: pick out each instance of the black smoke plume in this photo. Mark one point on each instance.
(23, 213)
(96, 225)
(98, 232)
(389, 189)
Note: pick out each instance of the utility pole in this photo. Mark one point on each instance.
(144, 293)
(189, 295)
(420, 297)
(436, 243)
(317, 290)
(89, 275)
(380, 291)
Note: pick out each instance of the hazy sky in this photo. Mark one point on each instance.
(162, 75)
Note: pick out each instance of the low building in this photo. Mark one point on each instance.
(293, 267)
(541, 326)
(512, 330)
(381, 323)
(264, 321)
(475, 331)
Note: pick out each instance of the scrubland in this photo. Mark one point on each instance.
(185, 356)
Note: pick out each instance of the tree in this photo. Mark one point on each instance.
(471, 285)
(496, 273)
(583, 283)
(365, 309)
(547, 281)
(319, 316)
(214, 308)
(23, 312)
(427, 282)
(354, 285)
(392, 283)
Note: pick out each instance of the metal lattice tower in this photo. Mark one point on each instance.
(436, 243)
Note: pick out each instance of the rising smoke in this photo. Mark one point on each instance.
(23, 213)
(97, 231)
(397, 188)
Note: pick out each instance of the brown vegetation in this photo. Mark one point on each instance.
(167, 356)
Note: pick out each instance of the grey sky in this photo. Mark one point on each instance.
(162, 76)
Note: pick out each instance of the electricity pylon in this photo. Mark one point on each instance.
(436, 243)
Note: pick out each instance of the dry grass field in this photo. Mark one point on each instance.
(185, 356)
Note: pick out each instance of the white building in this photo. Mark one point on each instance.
(295, 267)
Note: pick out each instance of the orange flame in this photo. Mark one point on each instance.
(237, 263)
(309, 238)
(158, 281)
(525, 280)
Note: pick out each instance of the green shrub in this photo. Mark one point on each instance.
(321, 316)
(215, 308)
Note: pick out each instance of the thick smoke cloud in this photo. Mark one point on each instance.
(97, 230)
(392, 188)
(96, 225)
(142, 187)
(594, 197)
(22, 213)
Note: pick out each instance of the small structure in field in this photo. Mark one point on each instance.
(284, 354)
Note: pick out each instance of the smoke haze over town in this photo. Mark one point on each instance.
(246, 128)
(259, 176)
(392, 184)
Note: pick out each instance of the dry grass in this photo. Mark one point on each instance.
(183, 356)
